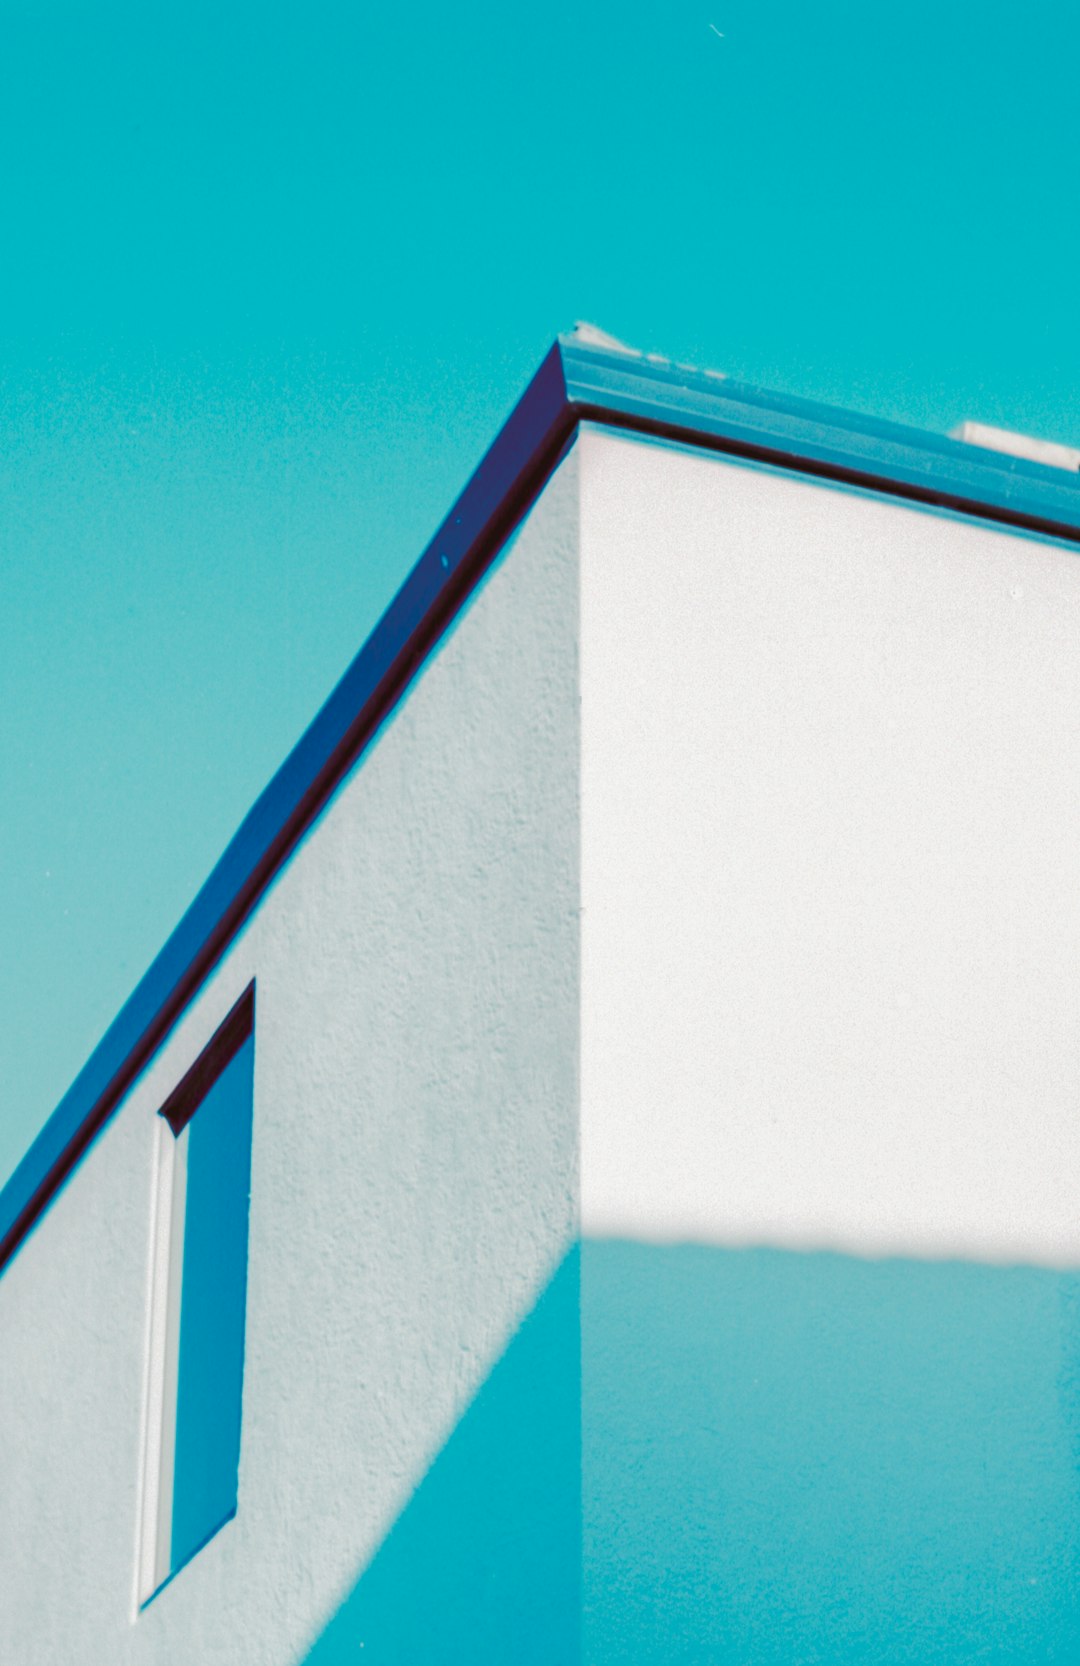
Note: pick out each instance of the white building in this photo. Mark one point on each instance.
(646, 1010)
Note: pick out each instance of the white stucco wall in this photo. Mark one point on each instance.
(414, 1177)
(831, 815)
(761, 795)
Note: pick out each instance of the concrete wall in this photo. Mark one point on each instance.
(830, 1075)
(831, 813)
(760, 800)
(414, 1178)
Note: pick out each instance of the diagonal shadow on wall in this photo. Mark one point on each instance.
(698, 1456)
(816, 1459)
(483, 1566)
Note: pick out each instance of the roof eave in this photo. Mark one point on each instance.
(704, 409)
(495, 499)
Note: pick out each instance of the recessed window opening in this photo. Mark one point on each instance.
(198, 1303)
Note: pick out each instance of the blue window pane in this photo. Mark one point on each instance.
(214, 1286)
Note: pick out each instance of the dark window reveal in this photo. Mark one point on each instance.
(210, 1115)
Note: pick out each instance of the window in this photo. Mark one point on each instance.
(198, 1304)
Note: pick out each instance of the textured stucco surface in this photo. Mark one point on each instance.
(827, 1459)
(762, 800)
(831, 811)
(414, 1169)
(830, 1075)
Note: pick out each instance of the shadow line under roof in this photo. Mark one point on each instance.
(577, 381)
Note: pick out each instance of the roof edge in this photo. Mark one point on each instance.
(708, 410)
(578, 380)
(496, 498)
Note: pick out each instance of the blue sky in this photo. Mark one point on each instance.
(271, 276)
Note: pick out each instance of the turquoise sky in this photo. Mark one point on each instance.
(271, 276)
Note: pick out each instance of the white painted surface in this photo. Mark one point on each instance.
(162, 1359)
(1050, 452)
(830, 879)
(826, 753)
(413, 1169)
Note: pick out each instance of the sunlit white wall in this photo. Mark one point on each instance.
(831, 816)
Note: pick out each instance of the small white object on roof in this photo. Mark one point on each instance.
(1048, 452)
(591, 335)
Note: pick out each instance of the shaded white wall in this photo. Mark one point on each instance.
(413, 1178)
(831, 817)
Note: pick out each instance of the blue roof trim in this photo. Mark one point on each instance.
(574, 383)
(681, 404)
(495, 499)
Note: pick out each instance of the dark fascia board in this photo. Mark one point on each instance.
(576, 382)
(216, 1056)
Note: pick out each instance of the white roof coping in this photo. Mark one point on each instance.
(1048, 452)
